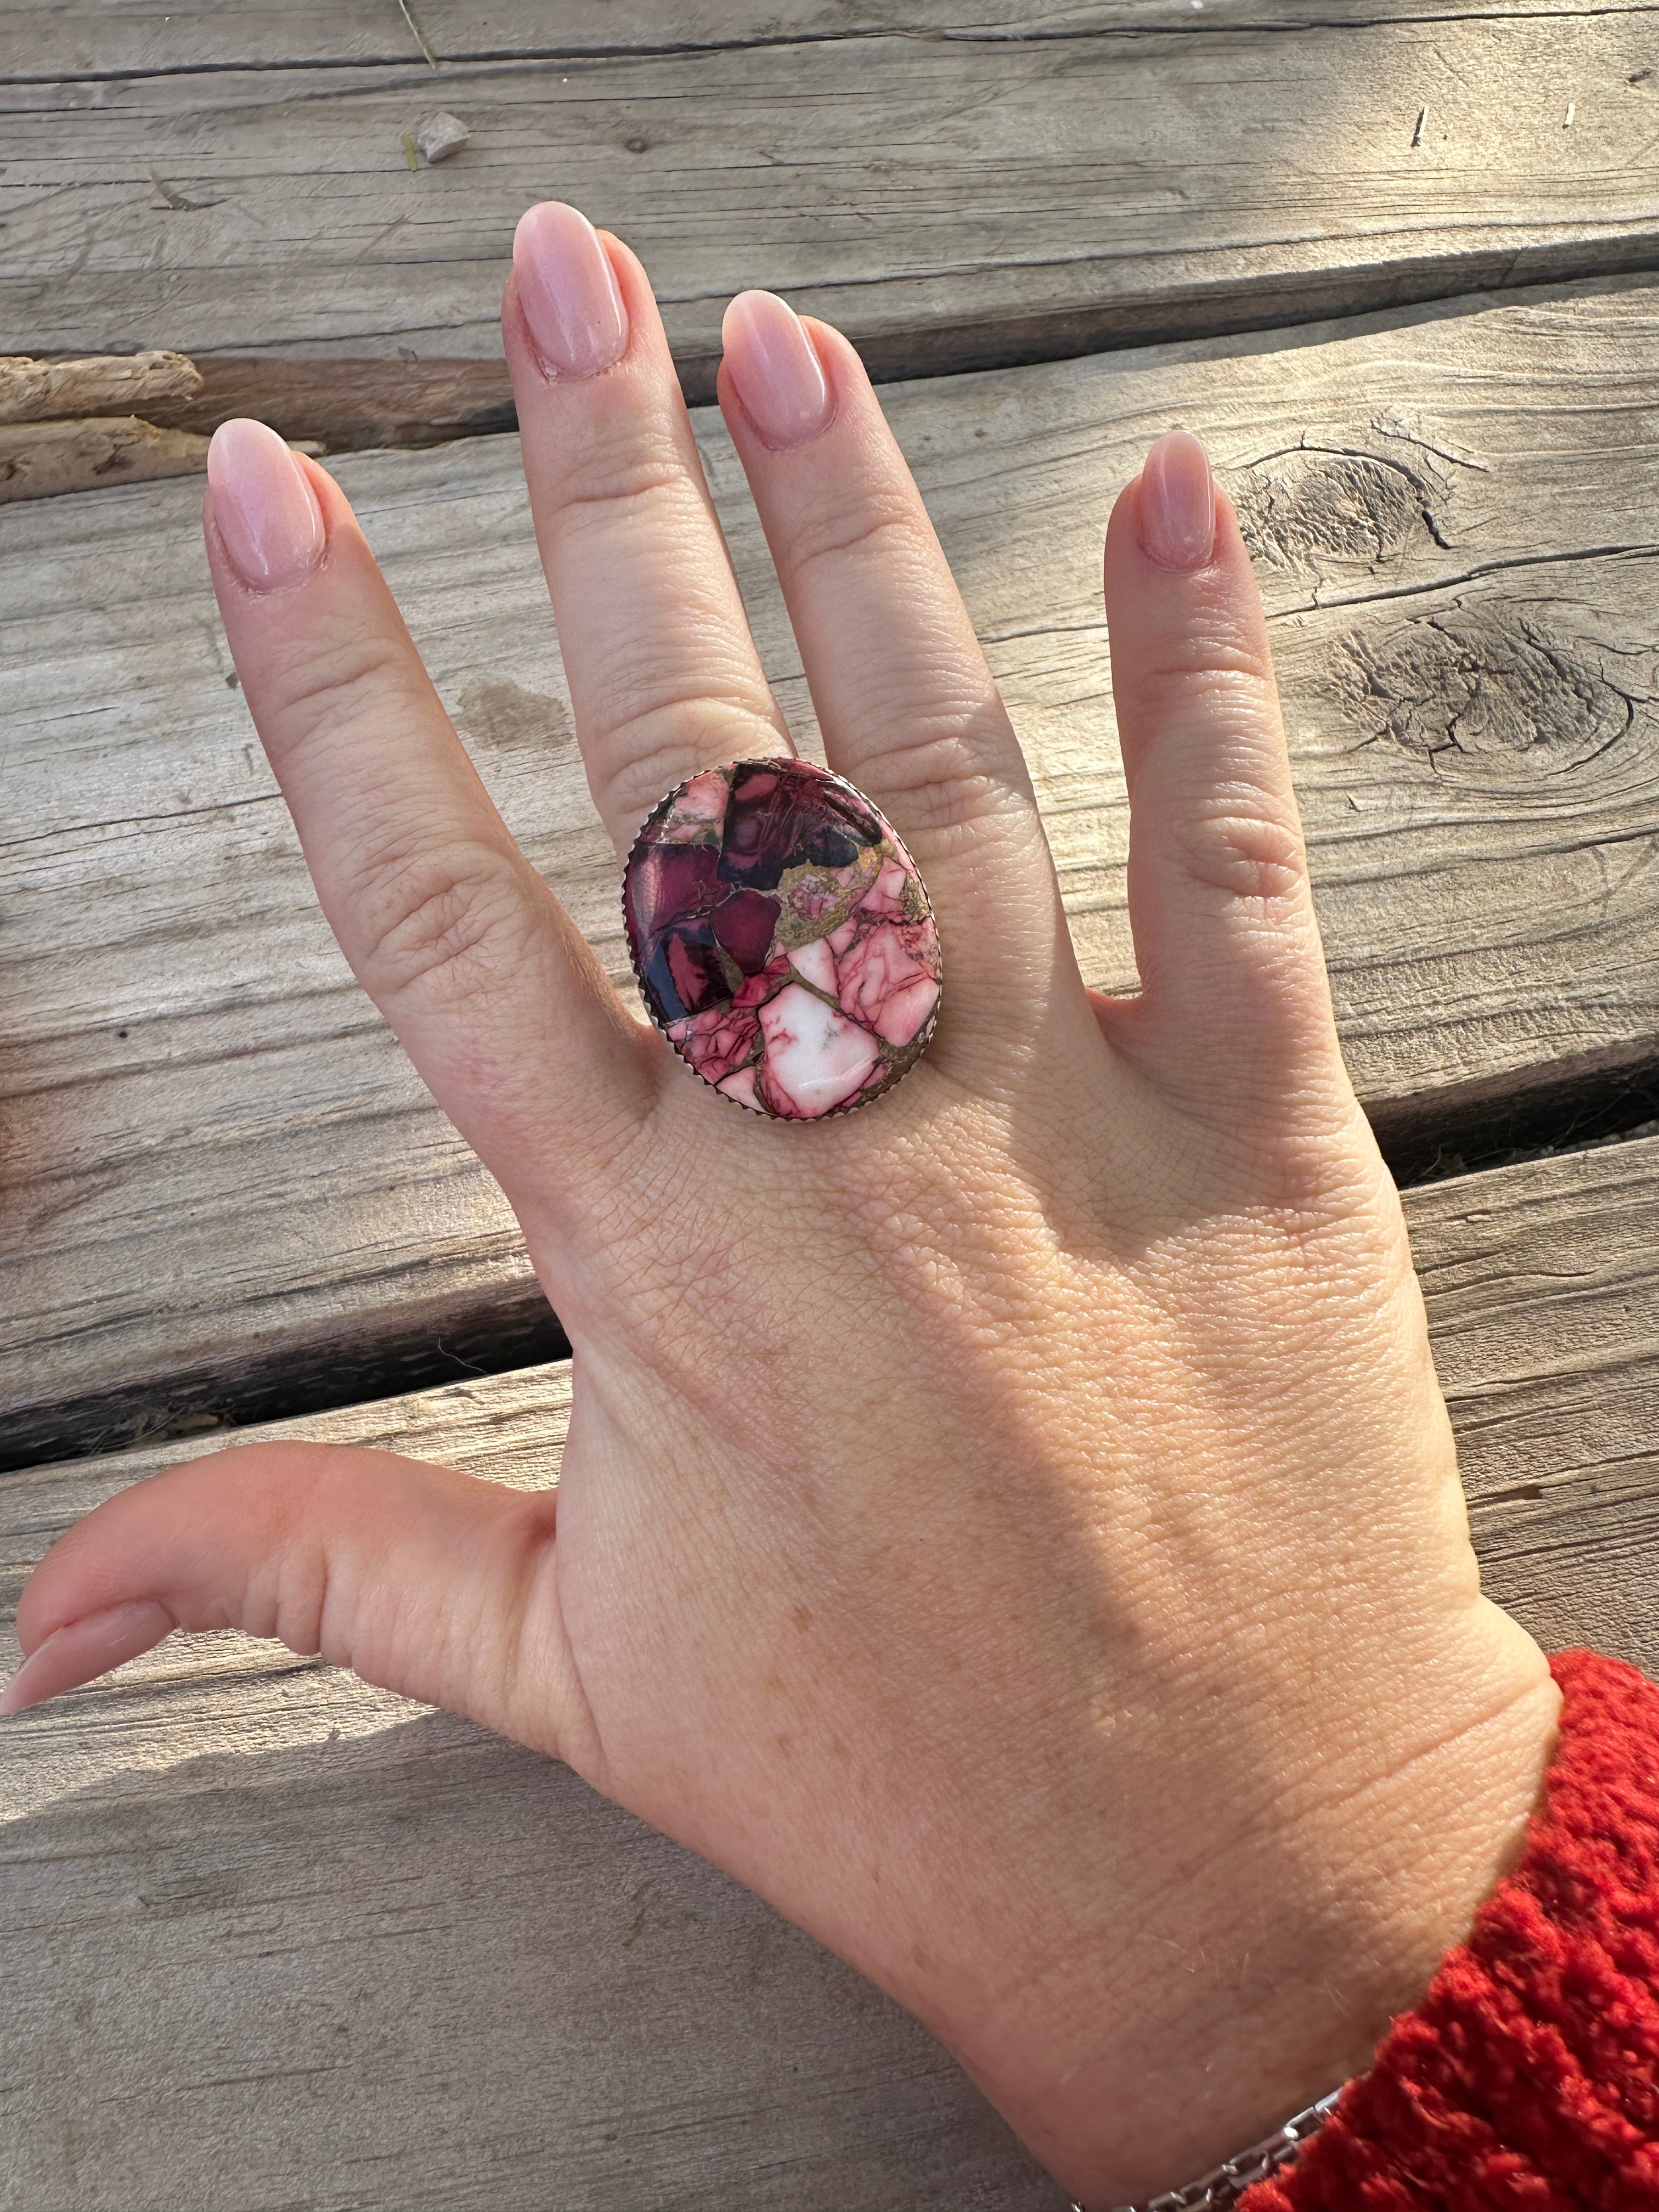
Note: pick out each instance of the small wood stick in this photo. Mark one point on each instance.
(116, 384)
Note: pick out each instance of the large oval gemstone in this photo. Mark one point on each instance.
(783, 938)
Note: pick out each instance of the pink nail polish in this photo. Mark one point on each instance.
(81, 1650)
(1178, 503)
(265, 512)
(567, 292)
(776, 369)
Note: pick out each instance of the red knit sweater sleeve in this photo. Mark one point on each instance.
(1528, 2076)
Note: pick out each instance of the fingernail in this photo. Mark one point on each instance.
(82, 1650)
(1177, 502)
(265, 512)
(568, 292)
(776, 369)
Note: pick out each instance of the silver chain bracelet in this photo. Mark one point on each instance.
(1227, 2183)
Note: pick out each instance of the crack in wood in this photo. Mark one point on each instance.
(497, 1331)
(1479, 572)
(1580, 1113)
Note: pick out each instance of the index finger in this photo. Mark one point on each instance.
(486, 981)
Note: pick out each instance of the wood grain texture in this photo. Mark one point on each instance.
(276, 1940)
(1542, 1285)
(953, 193)
(221, 1170)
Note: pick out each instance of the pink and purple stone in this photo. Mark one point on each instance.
(783, 938)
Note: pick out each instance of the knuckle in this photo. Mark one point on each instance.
(448, 921)
(1189, 677)
(285, 1580)
(950, 769)
(658, 736)
(330, 686)
(884, 520)
(1239, 844)
(608, 476)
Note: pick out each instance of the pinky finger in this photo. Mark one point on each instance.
(1236, 1001)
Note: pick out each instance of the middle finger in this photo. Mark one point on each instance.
(664, 676)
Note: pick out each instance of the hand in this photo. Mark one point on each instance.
(1014, 1528)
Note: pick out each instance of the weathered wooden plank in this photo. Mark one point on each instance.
(951, 201)
(108, 384)
(85, 40)
(276, 1940)
(1542, 1284)
(221, 1170)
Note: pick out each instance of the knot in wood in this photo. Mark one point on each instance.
(1313, 507)
(1482, 692)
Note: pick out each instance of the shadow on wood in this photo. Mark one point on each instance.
(422, 1965)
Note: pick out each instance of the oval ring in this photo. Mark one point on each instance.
(783, 938)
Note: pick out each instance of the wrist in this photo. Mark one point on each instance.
(1236, 1997)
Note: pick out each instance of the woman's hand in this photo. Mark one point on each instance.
(1014, 1528)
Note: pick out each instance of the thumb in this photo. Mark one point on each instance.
(420, 1579)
